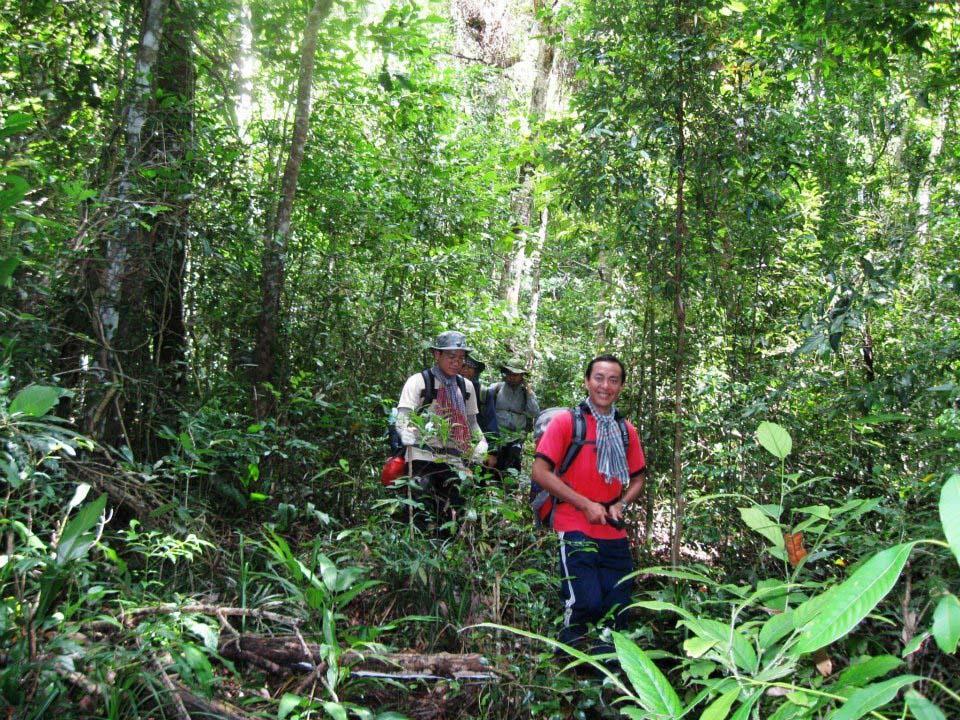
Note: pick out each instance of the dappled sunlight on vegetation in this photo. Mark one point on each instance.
(229, 230)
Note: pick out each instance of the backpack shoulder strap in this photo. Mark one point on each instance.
(577, 439)
(429, 393)
(624, 433)
(462, 384)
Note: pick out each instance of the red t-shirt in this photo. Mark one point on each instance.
(582, 474)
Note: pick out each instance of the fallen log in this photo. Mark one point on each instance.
(294, 656)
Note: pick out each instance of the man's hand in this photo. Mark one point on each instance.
(490, 461)
(616, 511)
(595, 513)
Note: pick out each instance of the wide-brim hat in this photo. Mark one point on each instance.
(474, 363)
(513, 367)
(451, 340)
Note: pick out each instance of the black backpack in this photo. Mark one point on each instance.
(543, 503)
(427, 396)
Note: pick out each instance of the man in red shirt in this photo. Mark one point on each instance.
(594, 552)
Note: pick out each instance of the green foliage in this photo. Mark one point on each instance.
(819, 284)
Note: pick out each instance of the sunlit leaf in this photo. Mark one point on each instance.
(946, 623)
(871, 697)
(654, 691)
(720, 708)
(869, 669)
(726, 638)
(950, 511)
(36, 400)
(77, 538)
(335, 710)
(921, 708)
(8, 266)
(288, 703)
(831, 615)
(915, 643)
(774, 439)
(79, 495)
(776, 628)
(762, 523)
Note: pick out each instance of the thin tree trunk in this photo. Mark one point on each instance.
(652, 406)
(679, 313)
(926, 182)
(268, 346)
(515, 263)
(535, 262)
(600, 320)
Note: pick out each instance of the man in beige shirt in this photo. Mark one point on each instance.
(437, 423)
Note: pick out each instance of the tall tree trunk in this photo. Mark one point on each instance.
(268, 345)
(514, 263)
(679, 311)
(651, 403)
(535, 261)
(600, 318)
(120, 304)
(169, 149)
(926, 182)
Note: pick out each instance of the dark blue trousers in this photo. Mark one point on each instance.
(591, 572)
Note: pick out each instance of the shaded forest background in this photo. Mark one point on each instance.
(229, 230)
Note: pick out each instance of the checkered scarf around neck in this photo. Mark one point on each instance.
(611, 454)
(450, 406)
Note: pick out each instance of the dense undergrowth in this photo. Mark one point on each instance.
(115, 610)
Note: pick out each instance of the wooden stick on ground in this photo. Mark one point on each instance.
(288, 653)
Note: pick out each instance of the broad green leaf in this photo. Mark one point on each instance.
(921, 708)
(8, 266)
(288, 704)
(658, 606)
(682, 574)
(776, 628)
(801, 698)
(946, 623)
(871, 697)
(743, 712)
(36, 400)
(869, 669)
(15, 123)
(756, 519)
(720, 708)
(335, 710)
(914, 644)
(654, 691)
(79, 495)
(744, 655)
(820, 511)
(828, 617)
(13, 189)
(697, 647)
(950, 511)
(77, 538)
(328, 571)
(790, 711)
(774, 439)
